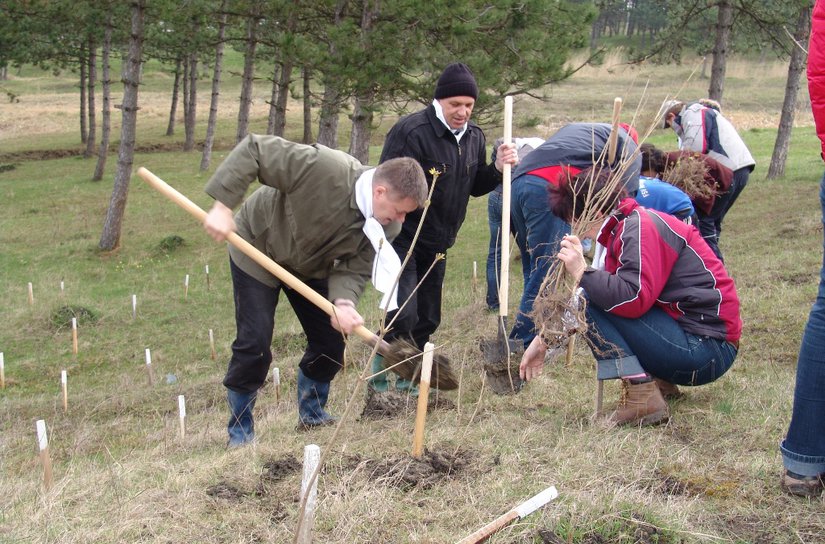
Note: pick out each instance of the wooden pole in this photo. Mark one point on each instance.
(423, 398)
(276, 381)
(475, 274)
(182, 416)
(62, 288)
(43, 444)
(186, 287)
(134, 307)
(31, 294)
(212, 353)
(2, 371)
(312, 456)
(504, 273)
(208, 285)
(65, 387)
(74, 336)
(149, 370)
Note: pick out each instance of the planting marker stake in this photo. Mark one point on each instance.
(182, 416)
(312, 456)
(31, 294)
(74, 336)
(149, 367)
(65, 387)
(423, 397)
(2, 371)
(212, 351)
(43, 444)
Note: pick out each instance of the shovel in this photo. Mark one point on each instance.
(401, 357)
(522, 510)
(497, 353)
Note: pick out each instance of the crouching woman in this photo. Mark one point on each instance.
(662, 310)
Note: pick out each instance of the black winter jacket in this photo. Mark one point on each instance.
(463, 168)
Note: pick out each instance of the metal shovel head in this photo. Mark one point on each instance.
(501, 364)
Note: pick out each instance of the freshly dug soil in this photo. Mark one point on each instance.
(408, 472)
(391, 404)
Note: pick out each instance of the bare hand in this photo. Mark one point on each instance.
(219, 222)
(532, 362)
(345, 318)
(572, 255)
(506, 154)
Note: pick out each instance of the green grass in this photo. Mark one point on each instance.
(123, 475)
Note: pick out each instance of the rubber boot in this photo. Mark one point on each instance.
(641, 405)
(378, 383)
(312, 398)
(241, 425)
(668, 390)
(406, 386)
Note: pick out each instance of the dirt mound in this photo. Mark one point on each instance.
(408, 472)
(276, 470)
(391, 404)
(226, 491)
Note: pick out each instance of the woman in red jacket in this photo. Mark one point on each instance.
(661, 308)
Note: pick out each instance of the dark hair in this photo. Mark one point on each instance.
(652, 158)
(404, 178)
(594, 186)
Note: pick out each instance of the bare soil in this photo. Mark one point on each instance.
(390, 404)
(432, 468)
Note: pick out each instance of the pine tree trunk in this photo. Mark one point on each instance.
(307, 75)
(84, 115)
(110, 238)
(273, 100)
(91, 141)
(328, 122)
(795, 68)
(191, 119)
(216, 91)
(173, 109)
(106, 122)
(283, 98)
(185, 92)
(248, 77)
(359, 146)
(720, 50)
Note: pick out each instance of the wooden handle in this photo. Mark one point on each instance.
(492, 527)
(506, 175)
(612, 141)
(259, 257)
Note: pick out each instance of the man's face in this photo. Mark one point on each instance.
(386, 209)
(457, 110)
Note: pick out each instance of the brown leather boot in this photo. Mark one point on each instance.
(641, 405)
(668, 390)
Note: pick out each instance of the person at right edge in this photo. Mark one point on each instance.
(803, 449)
(441, 138)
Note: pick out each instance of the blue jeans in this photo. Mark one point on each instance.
(803, 450)
(656, 344)
(538, 234)
(494, 253)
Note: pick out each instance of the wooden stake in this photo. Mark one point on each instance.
(2, 371)
(31, 294)
(312, 456)
(475, 274)
(276, 381)
(74, 336)
(62, 287)
(65, 387)
(43, 444)
(212, 353)
(182, 416)
(186, 287)
(134, 307)
(149, 367)
(423, 398)
(506, 178)
(208, 285)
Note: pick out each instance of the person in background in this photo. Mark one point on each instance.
(660, 195)
(323, 216)
(523, 147)
(571, 149)
(705, 130)
(443, 140)
(662, 310)
(803, 449)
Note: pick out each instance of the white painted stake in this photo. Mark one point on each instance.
(213, 353)
(182, 416)
(2, 371)
(276, 381)
(134, 307)
(186, 286)
(43, 445)
(206, 268)
(312, 456)
(74, 336)
(65, 387)
(149, 369)
(31, 294)
(62, 287)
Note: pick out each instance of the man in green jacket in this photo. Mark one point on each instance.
(322, 215)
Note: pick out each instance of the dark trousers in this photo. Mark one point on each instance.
(710, 225)
(421, 315)
(255, 305)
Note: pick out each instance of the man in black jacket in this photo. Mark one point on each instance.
(443, 140)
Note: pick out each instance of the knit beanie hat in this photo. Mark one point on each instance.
(456, 80)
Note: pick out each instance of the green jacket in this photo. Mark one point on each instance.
(304, 217)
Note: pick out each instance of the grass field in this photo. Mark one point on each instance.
(123, 474)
